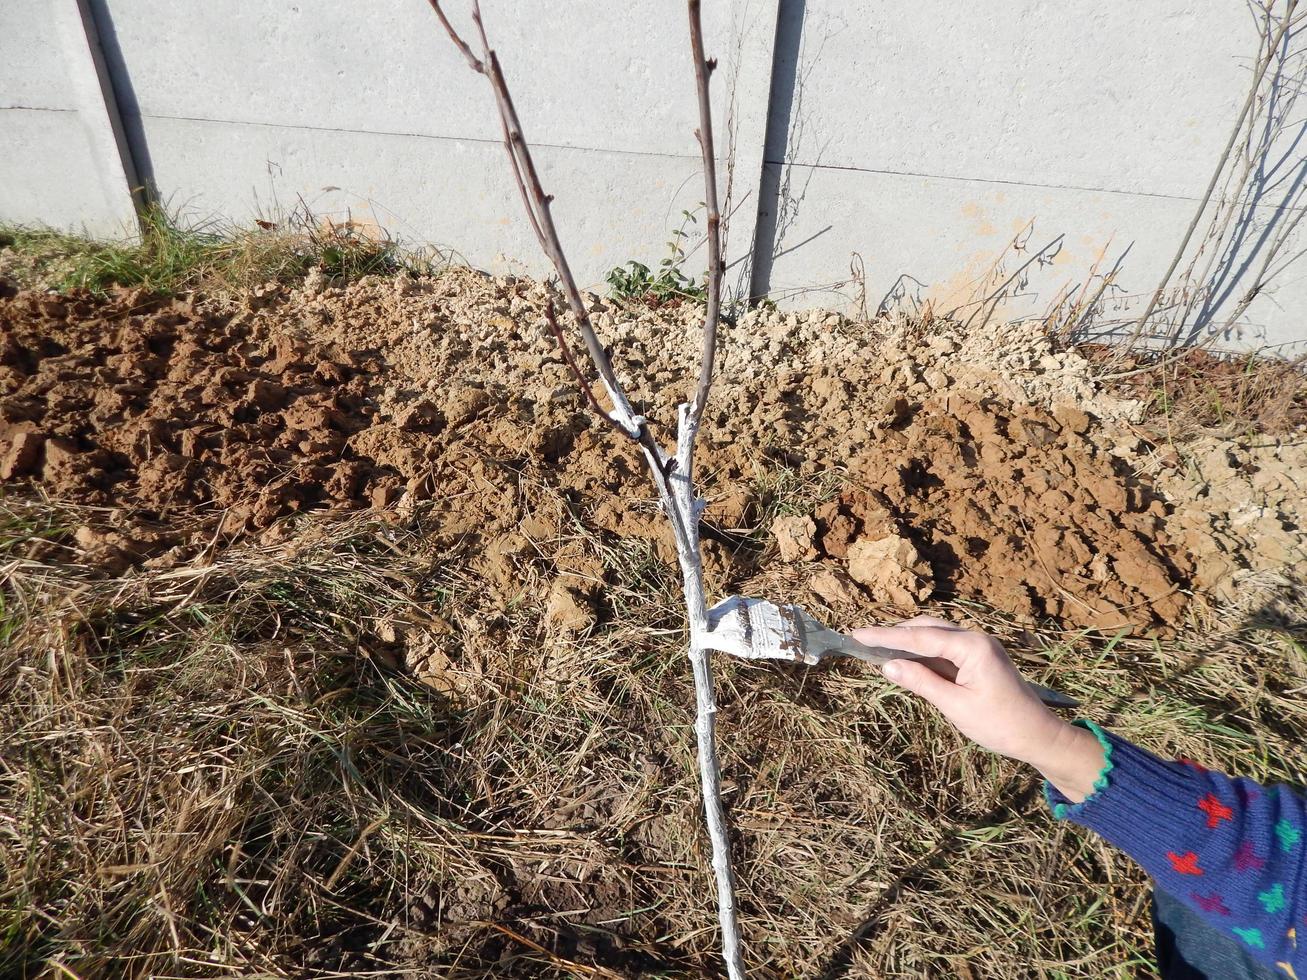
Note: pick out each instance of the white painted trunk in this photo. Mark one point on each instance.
(684, 508)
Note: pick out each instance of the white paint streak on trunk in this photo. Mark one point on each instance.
(689, 508)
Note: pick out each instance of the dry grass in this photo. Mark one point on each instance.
(212, 772)
(190, 758)
(1204, 392)
(171, 254)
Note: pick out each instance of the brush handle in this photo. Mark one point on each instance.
(946, 669)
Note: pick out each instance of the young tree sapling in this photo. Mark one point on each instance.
(672, 473)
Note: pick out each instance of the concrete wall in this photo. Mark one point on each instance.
(62, 163)
(913, 142)
(238, 109)
(925, 137)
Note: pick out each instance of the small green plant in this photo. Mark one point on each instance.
(1162, 402)
(636, 281)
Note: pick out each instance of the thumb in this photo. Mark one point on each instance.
(916, 677)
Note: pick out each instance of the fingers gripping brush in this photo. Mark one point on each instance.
(756, 629)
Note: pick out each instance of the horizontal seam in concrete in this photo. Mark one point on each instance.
(34, 108)
(421, 136)
(985, 180)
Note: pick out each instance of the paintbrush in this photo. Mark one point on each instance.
(757, 629)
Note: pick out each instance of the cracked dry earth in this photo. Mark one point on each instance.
(846, 464)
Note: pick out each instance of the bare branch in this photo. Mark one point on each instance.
(566, 351)
(703, 69)
(459, 43)
(537, 204)
(1263, 62)
(688, 507)
(543, 222)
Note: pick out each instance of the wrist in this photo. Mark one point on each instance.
(1043, 740)
(1072, 761)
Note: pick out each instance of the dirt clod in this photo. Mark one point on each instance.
(984, 466)
(795, 537)
(568, 610)
(834, 587)
(20, 455)
(891, 570)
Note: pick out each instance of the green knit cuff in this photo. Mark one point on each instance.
(1062, 807)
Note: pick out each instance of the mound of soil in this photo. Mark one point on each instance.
(1018, 506)
(982, 465)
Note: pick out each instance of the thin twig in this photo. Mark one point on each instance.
(542, 216)
(1173, 358)
(703, 69)
(537, 204)
(584, 384)
(1232, 203)
(1263, 276)
(997, 295)
(1262, 65)
(473, 62)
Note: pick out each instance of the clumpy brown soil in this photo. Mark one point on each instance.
(982, 467)
(1201, 389)
(1020, 509)
(157, 408)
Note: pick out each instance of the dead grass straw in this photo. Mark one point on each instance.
(212, 772)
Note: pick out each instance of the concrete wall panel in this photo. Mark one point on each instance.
(32, 69)
(449, 192)
(588, 74)
(62, 165)
(228, 101)
(923, 135)
(65, 189)
(1100, 95)
(950, 242)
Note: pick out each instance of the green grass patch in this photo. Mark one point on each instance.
(169, 255)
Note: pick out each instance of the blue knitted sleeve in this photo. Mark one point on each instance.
(1231, 849)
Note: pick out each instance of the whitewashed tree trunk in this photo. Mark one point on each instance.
(672, 476)
(689, 508)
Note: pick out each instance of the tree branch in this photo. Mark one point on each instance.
(537, 204)
(459, 43)
(703, 69)
(542, 221)
(566, 351)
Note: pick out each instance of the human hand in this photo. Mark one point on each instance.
(988, 701)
